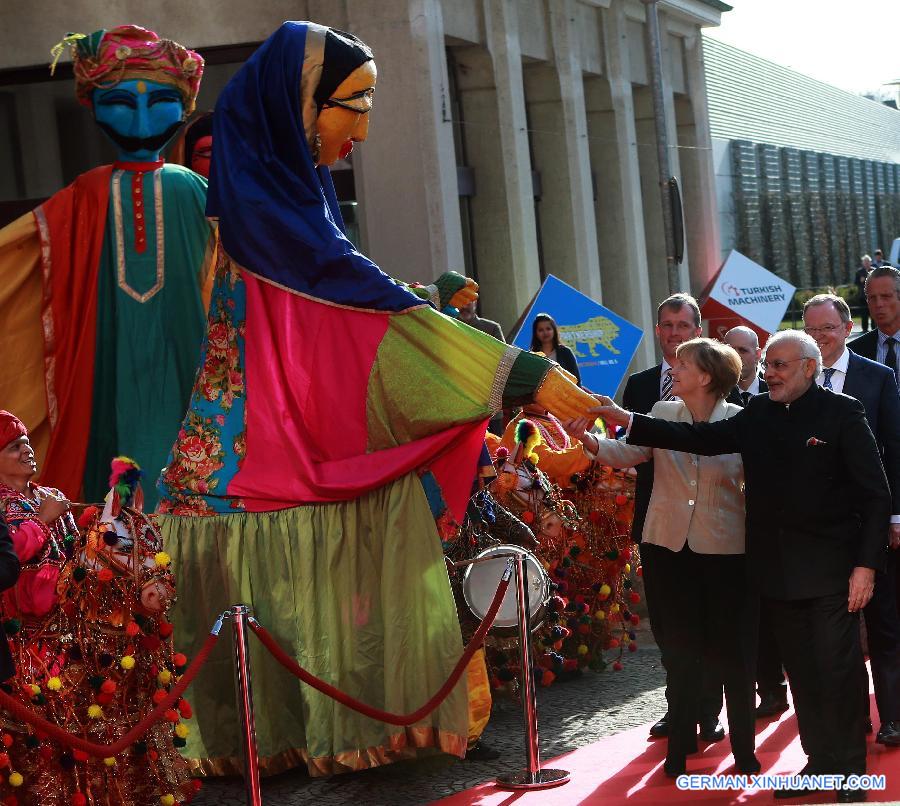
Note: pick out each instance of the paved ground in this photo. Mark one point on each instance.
(571, 715)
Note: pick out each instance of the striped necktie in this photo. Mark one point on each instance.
(745, 398)
(667, 388)
(829, 371)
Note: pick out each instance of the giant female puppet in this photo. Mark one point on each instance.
(326, 389)
(101, 297)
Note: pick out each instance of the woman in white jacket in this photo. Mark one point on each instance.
(693, 554)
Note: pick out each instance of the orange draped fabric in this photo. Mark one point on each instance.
(71, 225)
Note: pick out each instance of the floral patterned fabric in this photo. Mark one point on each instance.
(212, 443)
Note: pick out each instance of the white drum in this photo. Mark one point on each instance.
(481, 580)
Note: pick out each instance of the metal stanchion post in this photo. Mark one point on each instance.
(533, 777)
(239, 616)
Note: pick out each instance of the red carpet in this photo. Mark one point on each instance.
(627, 769)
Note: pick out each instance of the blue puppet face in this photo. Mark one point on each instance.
(139, 116)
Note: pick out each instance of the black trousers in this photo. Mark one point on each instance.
(769, 674)
(883, 631)
(708, 618)
(819, 642)
(709, 703)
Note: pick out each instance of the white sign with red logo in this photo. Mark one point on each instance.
(744, 293)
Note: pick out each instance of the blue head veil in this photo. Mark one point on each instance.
(278, 214)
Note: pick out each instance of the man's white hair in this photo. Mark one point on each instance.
(806, 344)
(744, 331)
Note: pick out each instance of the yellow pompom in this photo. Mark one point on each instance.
(162, 559)
(182, 730)
(605, 590)
(109, 761)
(35, 689)
(164, 677)
(582, 649)
(600, 615)
(127, 662)
(627, 568)
(95, 711)
(533, 458)
(16, 779)
(613, 608)
(54, 684)
(167, 800)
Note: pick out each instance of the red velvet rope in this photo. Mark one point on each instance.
(376, 713)
(18, 709)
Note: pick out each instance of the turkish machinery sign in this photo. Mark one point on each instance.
(744, 293)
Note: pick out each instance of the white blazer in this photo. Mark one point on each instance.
(698, 500)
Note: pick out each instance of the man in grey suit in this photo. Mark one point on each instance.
(827, 319)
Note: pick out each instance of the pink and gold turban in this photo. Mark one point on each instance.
(104, 58)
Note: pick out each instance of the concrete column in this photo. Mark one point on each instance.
(619, 207)
(698, 180)
(406, 171)
(513, 280)
(583, 264)
(668, 59)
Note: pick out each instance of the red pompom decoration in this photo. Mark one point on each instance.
(621, 500)
(4, 759)
(613, 643)
(502, 452)
(104, 699)
(547, 678)
(570, 664)
(132, 629)
(79, 755)
(165, 629)
(87, 517)
(150, 642)
(105, 575)
(617, 667)
(584, 629)
(159, 695)
(626, 555)
(632, 646)
(635, 619)
(108, 686)
(634, 597)
(6, 738)
(184, 708)
(179, 659)
(78, 799)
(172, 716)
(528, 516)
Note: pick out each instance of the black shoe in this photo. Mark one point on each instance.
(889, 734)
(481, 752)
(747, 766)
(711, 729)
(674, 767)
(661, 729)
(771, 704)
(852, 796)
(784, 794)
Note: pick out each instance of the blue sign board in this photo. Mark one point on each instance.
(603, 342)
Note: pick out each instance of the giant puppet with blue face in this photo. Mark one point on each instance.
(103, 304)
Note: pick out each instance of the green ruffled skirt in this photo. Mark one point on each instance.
(358, 593)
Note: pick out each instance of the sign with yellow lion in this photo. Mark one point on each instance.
(602, 341)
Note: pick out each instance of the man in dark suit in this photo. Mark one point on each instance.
(827, 319)
(883, 343)
(770, 683)
(818, 509)
(883, 298)
(746, 343)
(677, 321)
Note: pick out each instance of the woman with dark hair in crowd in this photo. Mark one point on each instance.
(545, 339)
